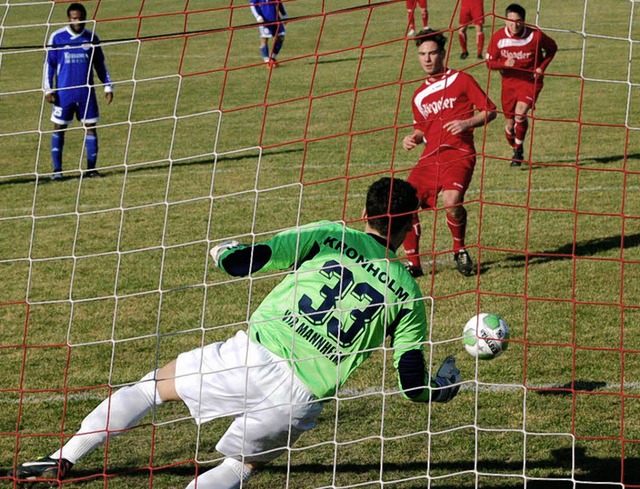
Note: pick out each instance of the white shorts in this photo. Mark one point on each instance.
(271, 406)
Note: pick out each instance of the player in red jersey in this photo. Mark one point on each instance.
(471, 13)
(446, 109)
(522, 54)
(411, 16)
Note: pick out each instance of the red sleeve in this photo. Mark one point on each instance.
(493, 54)
(549, 47)
(418, 118)
(478, 98)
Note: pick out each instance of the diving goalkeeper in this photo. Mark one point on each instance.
(346, 293)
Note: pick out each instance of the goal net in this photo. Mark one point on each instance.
(105, 279)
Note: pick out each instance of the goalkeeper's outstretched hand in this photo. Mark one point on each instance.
(220, 248)
(447, 380)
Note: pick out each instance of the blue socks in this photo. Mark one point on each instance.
(277, 45)
(91, 147)
(57, 145)
(264, 50)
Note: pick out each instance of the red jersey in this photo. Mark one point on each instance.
(452, 95)
(531, 49)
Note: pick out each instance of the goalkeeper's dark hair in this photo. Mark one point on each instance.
(516, 8)
(431, 35)
(77, 7)
(391, 204)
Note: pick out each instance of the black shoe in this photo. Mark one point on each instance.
(464, 263)
(464, 55)
(480, 57)
(516, 159)
(414, 271)
(43, 468)
(57, 176)
(92, 174)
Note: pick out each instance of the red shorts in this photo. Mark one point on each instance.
(472, 12)
(448, 169)
(516, 90)
(411, 4)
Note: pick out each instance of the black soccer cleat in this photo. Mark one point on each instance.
(414, 271)
(464, 264)
(43, 468)
(92, 173)
(516, 159)
(464, 55)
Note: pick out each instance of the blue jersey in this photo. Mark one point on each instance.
(71, 59)
(269, 10)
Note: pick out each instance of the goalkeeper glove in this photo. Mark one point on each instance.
(217, 250)
(446, 381)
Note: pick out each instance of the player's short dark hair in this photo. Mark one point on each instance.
(391, 204)
(431, 35)
(77, 7)
(516, 8)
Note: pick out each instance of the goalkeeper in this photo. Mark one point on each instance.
(347, 292)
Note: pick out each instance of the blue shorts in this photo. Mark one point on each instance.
(271, 30)
(86, 111)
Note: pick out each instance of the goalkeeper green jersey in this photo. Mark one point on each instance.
(346, 293)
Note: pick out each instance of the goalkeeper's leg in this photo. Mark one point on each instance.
(230, 474)
(124, 409)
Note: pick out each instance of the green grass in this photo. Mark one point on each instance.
(103, 280)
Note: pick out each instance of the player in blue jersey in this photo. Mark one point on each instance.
(73, 53)
(269, 14)
(346, 292)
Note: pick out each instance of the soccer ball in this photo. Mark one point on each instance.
(483, 336)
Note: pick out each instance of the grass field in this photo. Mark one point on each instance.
(103, 280)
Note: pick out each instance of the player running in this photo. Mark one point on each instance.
(446, 109)
(348, 291)
(522, 54)
(269, 14)
(72, 55)
(471, 13)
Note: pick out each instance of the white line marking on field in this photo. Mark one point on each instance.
(466, 386)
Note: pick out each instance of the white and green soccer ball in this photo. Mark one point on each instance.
(484, 336)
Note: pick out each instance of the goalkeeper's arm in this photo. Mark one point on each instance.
(416, 385)
(240, 260)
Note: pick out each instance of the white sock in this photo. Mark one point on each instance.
(123, 409)
(230, 474)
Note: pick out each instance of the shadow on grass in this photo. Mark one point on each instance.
(45, 179)
(587, 160)
(589, 472)
(589, 247)
(570, 387)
